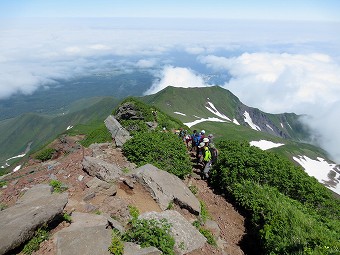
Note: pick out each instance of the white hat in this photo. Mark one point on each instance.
(203, 131)
(201, 145)
(205, 140)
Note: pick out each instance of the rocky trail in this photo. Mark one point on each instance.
(89, 196)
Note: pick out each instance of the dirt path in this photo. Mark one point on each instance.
(68, 168)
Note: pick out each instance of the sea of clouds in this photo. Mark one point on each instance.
(274, 66)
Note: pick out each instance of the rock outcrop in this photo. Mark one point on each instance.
(37, 207)
(101, 169)
(166, 188)
(87, 235)
(119, 134)
(187, 237)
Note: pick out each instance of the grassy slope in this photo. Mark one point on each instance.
(191, 101)
(19, 131)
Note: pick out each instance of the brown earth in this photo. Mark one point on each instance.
(67, 168)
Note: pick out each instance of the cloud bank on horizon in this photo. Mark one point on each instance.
(269, 68)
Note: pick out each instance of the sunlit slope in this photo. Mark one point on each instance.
(16, 133)
(192, 104)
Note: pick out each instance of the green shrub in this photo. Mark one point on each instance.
(45, 154)
(117, 246)
(240, 161)
(3, 183)
(33, 245)
(163, 150)
(67, 217)
(193, 189)
(58, 187)
(284, 225)
(207, 234)
(151, 233)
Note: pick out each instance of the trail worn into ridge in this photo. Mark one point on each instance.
(68, 168)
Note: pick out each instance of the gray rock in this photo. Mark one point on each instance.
(18, 223)
(88, 234)
(165, 188)
(88, 196)
(114, 223)
(213, 227)
(103, 187)
(135, 249)
(119, 134)
(36, 192)
(101, 169)
(90, 208)
(187, 237)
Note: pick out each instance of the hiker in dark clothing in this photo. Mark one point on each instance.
(206, 157)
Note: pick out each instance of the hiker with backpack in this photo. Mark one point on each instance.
(212, 148)
(206, 157)
(196, 142)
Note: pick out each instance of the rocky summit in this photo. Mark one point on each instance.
(98, 188)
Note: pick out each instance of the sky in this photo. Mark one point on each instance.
(321, 10)
(281, 56)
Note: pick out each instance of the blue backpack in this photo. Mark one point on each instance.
(197, 139)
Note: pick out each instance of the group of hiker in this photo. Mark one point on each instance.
(203, 148)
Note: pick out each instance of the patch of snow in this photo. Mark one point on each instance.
(269, 127)
(16, 168)
(236, 122)
(19, 156)
(250, 121)
(213, 109)
(190, 124)
(179, 113)
(265, 145)
(281, 125)
(289, 126)
(326, 173)
(69, 127)
(197, 117)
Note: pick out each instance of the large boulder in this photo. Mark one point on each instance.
(87, 235)
(101, 169)
(135, 249)
(187, 237)
(166, 188)
(119, 134)
(37, 207)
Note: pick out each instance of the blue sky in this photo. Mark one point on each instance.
(313, 10)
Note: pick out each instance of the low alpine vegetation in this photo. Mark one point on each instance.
(58, 187)
(290, 212)
(40, 235)
(163, 150)
(45, 154)
(148, 233)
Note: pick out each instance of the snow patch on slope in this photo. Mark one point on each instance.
(213, 109)
(265, 145)
(250, 122)
(179, 113)
(270, 127)
(236, 122)
(190, 124)
(18, 156)
(326, 173)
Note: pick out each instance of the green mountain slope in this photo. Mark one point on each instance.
(18, 132)
(193, 102)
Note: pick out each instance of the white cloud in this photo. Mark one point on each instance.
(146, 63)
(176, 77)
(276, 83)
